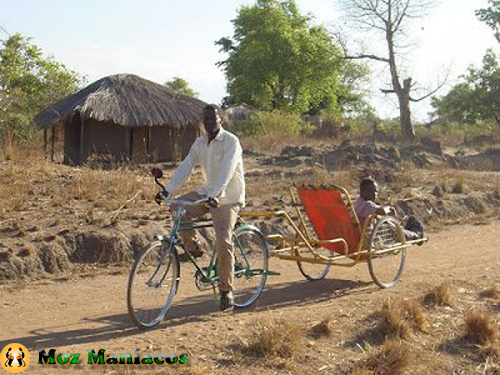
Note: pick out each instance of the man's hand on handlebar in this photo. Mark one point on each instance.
(164, 195)
(161, 196)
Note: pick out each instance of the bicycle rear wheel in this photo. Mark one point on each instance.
(313, 271)
(251, 254)
(153, 284)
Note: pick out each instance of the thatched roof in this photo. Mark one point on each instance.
(238, 113)
(127, 100)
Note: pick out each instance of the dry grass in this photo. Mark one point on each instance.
(491, 369)
(6, 255)
(320, 176)
(348, 180)
(491, 292)
(441, 295)
(460, 180)
(415, 315)
(405, 178)
(480, 328)
(261, 186)
(8, 152)
(98, 185)
(62, 186)
(491, 351)
(392, 322)
(27, 250)
(194, 370)
(482, 219)
(288, 364)
(89, 185)
(322, 329)
(275, 338)
(400, 320)
(175, 370)
(458, 187)
(357, 370)
(276, 143)
(393, 358)
(15, 152)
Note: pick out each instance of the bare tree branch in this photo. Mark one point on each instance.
(440, 84)
(371, 57)
(388, 91)
(399, 20)
(390, 17)
(4, 30)
(430, 93)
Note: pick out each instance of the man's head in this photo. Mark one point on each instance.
(211, 120)
(368, 189)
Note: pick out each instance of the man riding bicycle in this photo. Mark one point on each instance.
(219, 154)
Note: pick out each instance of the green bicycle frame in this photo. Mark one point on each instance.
(206, 272)
(182, 225)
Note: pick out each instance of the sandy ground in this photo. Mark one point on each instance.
(74, 314)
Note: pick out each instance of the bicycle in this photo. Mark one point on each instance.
(157, 269)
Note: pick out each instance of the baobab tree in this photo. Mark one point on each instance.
(390, 19)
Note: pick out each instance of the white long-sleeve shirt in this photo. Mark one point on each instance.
(221, 164)
(365, 208)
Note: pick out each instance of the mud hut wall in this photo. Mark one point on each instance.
(160, 144)
(56, 143)
(187, 136)
(72, 135)
(140, 144)
(171, 144)
(106, 138)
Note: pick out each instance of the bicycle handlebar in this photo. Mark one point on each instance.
(164, 194)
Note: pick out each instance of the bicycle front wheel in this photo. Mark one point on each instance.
(153, 284)
(251, 254)
(387, 255)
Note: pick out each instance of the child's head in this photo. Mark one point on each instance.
(368, 189)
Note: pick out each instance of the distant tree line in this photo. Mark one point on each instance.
(29, 82)
(181, 86)
(281, 62)
(477, 96)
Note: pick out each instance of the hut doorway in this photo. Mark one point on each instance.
(72, 140)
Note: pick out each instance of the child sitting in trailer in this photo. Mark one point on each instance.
(365, 206)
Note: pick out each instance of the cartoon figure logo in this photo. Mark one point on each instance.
(15, 358)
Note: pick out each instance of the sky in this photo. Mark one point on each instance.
(161, 39)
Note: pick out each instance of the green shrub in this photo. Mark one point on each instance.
(361, 128)
(273, 124)
(390, 127)
(455, 132)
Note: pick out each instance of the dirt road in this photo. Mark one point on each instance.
(75, 313)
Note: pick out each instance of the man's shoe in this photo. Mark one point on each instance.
(226, 301)
(414, 225)
(422, 235)
(184, 257)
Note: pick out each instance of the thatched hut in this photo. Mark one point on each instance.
(235, 114)
(124, 117)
